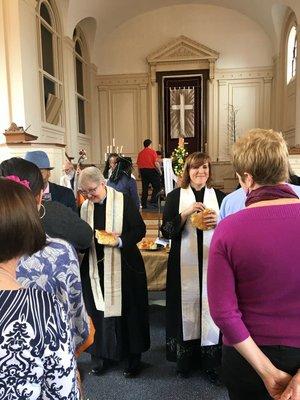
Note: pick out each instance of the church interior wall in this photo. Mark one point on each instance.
(240, 41)
(123, 102)
(21, 96)
(243, 72)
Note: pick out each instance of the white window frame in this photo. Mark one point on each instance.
(84, 58)
(291, 57)
(57, 79)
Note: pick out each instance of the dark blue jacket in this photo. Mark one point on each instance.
(63, 195)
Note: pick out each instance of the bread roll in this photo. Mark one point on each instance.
(105, 238)
(197, 219)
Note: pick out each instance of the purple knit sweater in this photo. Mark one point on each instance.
(254, 276)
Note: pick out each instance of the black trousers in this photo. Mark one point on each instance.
(241, 380)
(149, 176)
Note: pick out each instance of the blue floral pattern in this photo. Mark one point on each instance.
(36, 350)
(55, 269)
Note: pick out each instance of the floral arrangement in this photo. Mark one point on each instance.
(178, 158)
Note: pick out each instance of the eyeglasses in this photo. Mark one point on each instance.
(88, 192)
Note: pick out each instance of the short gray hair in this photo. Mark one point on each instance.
(90, 174)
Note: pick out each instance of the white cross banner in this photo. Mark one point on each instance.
(182, 112)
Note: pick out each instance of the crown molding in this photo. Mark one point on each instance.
(245, 73)
(139, 79)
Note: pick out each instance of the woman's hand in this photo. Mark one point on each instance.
(276, 384)
(210, 219)
(195, 207)
(292, 392)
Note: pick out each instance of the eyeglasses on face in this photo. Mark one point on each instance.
(88, 192)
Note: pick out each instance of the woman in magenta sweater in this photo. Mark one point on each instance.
(254, 276)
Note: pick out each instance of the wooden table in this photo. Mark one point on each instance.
(156, 268)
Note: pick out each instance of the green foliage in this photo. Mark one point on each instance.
(178, 159)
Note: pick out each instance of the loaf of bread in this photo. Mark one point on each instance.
(105, 238)
(197, 219)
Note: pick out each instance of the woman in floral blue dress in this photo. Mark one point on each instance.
(54, 268)
(36, 350)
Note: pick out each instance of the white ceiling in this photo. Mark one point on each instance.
(109, 14)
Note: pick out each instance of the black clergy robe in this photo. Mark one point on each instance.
(176, 347)
(117, 337)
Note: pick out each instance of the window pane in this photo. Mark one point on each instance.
(81, 116)
(79, 76)
(47, 50)
(45, 14)
(49, 87)
(291, 54)
(78, 48)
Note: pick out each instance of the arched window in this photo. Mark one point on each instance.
(81, 78)
(291, 54)
(50, 63)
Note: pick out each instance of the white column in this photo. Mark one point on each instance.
(70, 98)
(267, 103)
(212, 120)
(5, 112)
(22, 64)
(154, 114)
(97, 146)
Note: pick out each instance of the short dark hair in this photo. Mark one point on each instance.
(147, 142)
(21, 231)
(24, 170)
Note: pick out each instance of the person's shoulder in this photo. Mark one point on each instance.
(236, 194)
(42, 297)
(220, 193)
(58, 244)
(175, 193)
(60, 188)
(56, 209)
(296, 188)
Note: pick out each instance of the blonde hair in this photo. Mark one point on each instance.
(263, 154)
(195, 160)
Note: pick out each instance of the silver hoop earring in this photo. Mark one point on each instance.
(43, 211)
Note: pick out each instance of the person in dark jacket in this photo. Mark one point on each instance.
(122, 180)
(113, 276)
(52, 191)
(58, 220)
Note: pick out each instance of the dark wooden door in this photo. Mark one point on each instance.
(183, 110)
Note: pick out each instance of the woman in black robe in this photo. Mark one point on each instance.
(189, 353)
(126, 336)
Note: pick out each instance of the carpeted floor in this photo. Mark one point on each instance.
(157, 381)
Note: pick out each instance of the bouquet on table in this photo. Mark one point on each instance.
(178, 158)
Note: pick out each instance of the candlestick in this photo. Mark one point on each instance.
(113, 141)
(110, 148)
(121, 149)
(117, 150)
(107, 149)
(105, 157)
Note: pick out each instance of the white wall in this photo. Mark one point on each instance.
(240, 41)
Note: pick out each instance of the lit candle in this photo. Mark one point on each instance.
(113, 141)
(105, 157)
(107, 149)
(110, 148)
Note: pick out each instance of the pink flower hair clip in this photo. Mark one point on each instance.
(15, 178)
